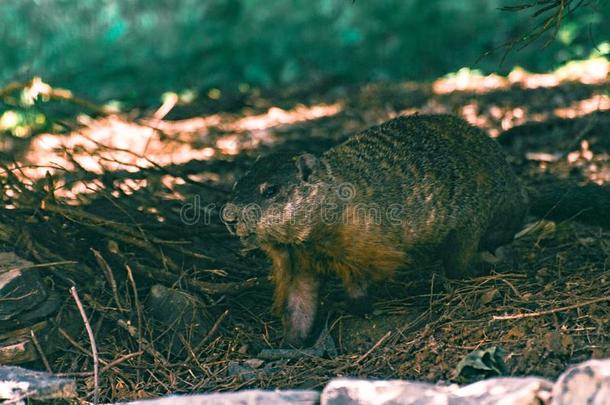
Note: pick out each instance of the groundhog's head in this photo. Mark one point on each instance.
(277, 201)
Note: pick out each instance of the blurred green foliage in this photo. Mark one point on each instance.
(138, 49)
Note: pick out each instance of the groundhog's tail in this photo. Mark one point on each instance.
(563, 200)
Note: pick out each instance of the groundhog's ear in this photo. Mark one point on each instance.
(306, 164)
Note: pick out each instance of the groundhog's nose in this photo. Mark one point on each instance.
(241, 230)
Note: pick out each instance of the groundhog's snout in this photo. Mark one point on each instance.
(230, 217)
(241, 230)
(233, 218)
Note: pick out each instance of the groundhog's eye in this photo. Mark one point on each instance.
(268, 190)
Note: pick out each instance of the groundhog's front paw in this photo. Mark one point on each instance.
(297, 330)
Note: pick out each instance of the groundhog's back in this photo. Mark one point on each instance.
(445, 174)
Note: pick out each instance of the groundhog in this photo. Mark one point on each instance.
(416, 186)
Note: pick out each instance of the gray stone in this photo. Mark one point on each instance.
(18, 384)
(587, 383)
(254, 368)
(347, 391)
(513, 391)
(178, 310)
(251, 397)
(505, 391)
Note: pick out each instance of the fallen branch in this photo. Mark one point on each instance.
(550, 311)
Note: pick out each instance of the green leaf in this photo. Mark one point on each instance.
(481, 364)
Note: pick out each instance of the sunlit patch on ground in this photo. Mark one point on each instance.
(469, 80)
(494, 103)
(276, 116)
(599, 102)
(115, 143)
(590, 71)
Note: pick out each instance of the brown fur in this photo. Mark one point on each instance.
(430, 186)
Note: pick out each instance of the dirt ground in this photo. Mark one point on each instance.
(138, 194)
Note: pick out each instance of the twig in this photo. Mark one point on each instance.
(96, 381)
(38, 347)
(107, 367)
(124, 233)
(138, 310)
(375, 346)
(147, 346)
(169, 103)
(160, 168)
(560, 10)
(550, 311)
(109, 276)
(512, 287)
(367, 354)
(212, 330)
(77, 345)
(37, 266)
(292, 354)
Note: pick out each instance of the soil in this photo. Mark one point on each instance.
(144, 192)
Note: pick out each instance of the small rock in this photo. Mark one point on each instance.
(253, 368)
(326, 344)
(178, 310)
(254, 363)
(241, 370)
(396, 392)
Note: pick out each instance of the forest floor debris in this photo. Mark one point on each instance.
(125, 206)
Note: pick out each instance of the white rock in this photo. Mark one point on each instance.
(18, 384)
(502, 391)
(587, 383)
(250, 397)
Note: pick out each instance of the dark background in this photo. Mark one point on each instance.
(137, 49)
